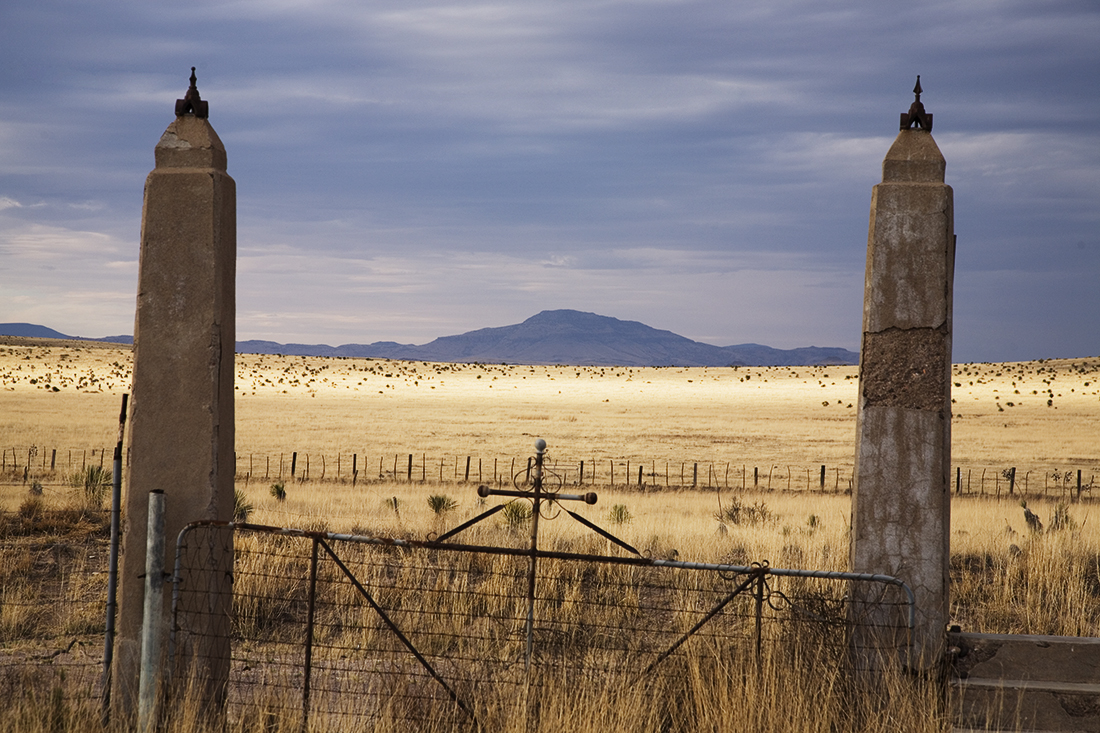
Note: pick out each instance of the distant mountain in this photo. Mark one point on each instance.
(31, 330)
(550, 337)
(570, 337)
(757, 355)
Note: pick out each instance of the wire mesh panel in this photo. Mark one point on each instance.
(51, 617)
(341, 632)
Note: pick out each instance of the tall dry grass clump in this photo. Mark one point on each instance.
(1011, 579)
(1007, 578)
(788, 692)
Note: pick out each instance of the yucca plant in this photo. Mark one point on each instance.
(242, 508)
(278, 490)
(619, 514)
(95, 481)
(441, 504)
(516, 514)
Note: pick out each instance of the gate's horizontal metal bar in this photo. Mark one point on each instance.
(526, 552)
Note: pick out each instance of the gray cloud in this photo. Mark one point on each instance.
(408, 171)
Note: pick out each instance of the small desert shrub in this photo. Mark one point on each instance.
(441, 504)
(1060, 518)
(32, 507)
(278, 490)
(242, 508)
(516, 514)
(737, 512)
(36, 488)
(619, 514)
(1031, 518)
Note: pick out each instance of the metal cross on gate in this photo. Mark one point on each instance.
(537, 497)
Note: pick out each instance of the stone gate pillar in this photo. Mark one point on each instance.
(181, 412)
(901, 492)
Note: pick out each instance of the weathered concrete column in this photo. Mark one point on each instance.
(901, 492)
(181, 411)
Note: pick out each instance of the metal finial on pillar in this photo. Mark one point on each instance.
(916, 114)
(192, 103)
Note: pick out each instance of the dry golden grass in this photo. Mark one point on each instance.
(1005, 578)
(772, 418)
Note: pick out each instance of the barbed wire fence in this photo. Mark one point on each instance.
(56, 467)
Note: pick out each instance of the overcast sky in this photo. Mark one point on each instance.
(407, 170)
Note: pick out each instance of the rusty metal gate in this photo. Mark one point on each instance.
(335, 631)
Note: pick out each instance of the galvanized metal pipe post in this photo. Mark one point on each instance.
(152, 625)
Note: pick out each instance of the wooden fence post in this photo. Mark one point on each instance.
(293, 463)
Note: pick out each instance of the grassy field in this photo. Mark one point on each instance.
(1042, 417)
(1039, 415)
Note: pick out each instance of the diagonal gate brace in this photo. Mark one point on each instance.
(397, 632)
(754, 576)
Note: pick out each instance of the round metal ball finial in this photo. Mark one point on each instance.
(540, 445)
